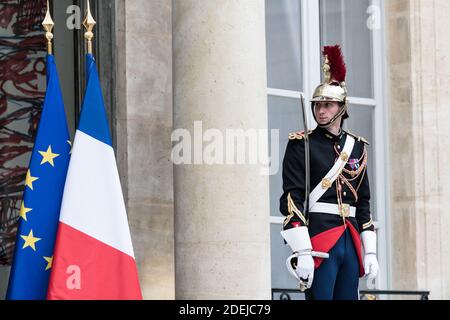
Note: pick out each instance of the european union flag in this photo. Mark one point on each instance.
(44, 186)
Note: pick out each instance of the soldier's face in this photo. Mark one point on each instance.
(325, 111)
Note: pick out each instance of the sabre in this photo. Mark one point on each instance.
(307, 168)
(303, 282)
(323, 255)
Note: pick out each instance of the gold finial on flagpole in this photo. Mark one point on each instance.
(48, 25)
(89, 24)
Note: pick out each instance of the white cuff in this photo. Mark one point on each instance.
(369, 240)
(297, 238)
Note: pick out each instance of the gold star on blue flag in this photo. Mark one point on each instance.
(42, 197)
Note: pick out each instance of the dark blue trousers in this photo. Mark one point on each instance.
(337, 277)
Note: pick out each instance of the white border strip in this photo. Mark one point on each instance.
(284, 93)
(363, 101)
(276, 220)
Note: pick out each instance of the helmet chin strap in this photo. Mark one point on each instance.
(329, 123)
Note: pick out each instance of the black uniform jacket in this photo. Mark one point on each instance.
(325, 229)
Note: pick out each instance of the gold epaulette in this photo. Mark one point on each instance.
(359, 138)
(298, 135)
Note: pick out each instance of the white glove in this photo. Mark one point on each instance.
(370, 266)
(300, 243)
(369, 240)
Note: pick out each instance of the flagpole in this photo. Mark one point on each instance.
(89, 24)
(48, 25)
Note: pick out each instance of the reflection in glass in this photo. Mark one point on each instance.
(284, 115)
(344, 22)
(360, 123)
(284, 70)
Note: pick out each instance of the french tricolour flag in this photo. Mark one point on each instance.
(93, 256)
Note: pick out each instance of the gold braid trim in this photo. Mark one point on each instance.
(359, 173)
(368, 224)
(292, 209)
(354, 192)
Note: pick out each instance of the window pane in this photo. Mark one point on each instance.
(360, 123)
(284, 115)
(344, 22)
(283, 36)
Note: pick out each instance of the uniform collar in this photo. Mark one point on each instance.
(330, 136)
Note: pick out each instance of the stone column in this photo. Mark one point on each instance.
(143, 126)
(419, 69)
(221, 211)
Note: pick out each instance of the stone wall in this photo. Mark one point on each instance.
(144, 125)
(419, 75)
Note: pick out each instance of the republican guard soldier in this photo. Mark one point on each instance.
(327, 236)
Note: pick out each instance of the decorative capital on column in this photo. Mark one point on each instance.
(89, 24)
(48, 25)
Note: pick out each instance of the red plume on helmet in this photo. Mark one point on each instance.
(338, 70)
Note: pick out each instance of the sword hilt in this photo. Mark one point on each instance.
(303, 283)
